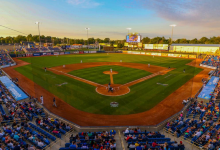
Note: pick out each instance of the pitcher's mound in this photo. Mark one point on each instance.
(118, 90)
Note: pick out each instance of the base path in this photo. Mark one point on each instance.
(169, 106)
(119, 90)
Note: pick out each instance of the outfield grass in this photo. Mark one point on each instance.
(124, 75)
(143, 96)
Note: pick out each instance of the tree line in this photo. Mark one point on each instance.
(145, 40)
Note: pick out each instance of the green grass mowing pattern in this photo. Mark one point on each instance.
(143, 96)
(95, 74)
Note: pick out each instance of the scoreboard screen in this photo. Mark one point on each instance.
(133, 38)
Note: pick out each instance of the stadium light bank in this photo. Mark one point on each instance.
(172, 25)
(128, 29)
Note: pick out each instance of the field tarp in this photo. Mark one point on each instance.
(15, 91)
(207, 91)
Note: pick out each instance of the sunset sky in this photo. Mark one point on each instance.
(110, 18)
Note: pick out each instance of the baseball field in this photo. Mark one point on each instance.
(76, 83)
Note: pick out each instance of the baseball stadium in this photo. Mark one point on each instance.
(137, 93)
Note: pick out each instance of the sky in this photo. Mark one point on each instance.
(110, 18)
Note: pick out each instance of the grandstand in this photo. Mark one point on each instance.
(201, 124)
(211, 61)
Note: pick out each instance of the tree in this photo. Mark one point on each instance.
(193, 41)
(106, 40)
(146, 40)
(203, 40)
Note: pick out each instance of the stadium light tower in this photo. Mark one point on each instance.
(128, 30)
(172, 25)
(38, 23)
(87, 36)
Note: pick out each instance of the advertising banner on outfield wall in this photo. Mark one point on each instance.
(135, 52)
(15, 91)
(67, 52)
(164, 54)
(36, 54)
(86, 51)
(56, 53)
(29, 54)
(61, 53)
(44, 53)
(156, 54)
(76, 52)
(92, 51)
(142, 53)
(100, 52)
(192, 56)
(81, 52)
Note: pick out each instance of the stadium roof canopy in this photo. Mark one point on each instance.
(203, 45)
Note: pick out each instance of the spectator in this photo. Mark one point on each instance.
(132, 145)
(139, 147)
(73, 145)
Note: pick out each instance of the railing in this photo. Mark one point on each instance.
(12, 59)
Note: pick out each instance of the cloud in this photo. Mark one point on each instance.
(84, 3)
(185, 12)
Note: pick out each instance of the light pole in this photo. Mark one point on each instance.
(87, 36)
(38, 23)
(128, 30)
(172, 25)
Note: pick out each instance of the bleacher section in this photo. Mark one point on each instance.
(148, 140)
(54, 49)
(92, 140)
(44, 49)
(200, 127)
(211, 61)
(31, 50)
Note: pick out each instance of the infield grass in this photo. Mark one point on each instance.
(143, 96)
(124, 75)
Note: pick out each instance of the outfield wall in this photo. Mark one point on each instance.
(61, 53)
(192, 56)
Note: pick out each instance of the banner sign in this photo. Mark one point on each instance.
(67, 52)
(207, 91)
(15, 91)
(100, 51)
(36, 54)
(44, 53)
(135, 52)
(86, 51)
(29, 54)
(81, 52)
(56, 53)
(92, 51)
(61, 53)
